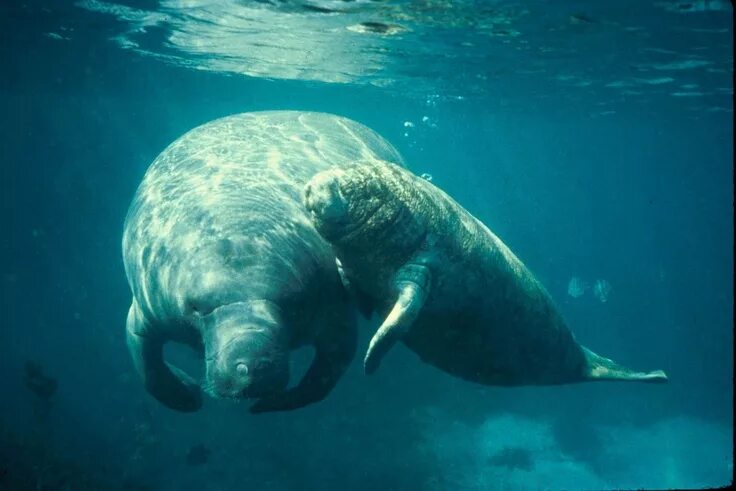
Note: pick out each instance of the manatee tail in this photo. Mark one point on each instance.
(600, 368)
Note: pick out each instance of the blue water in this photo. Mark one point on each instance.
(596, 141)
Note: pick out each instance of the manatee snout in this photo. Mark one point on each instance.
(242, 370)
(355, 207)
(324, 199)
(246, 357)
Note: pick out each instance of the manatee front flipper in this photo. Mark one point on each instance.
(171, 386)
(413, 283)
(601, 368)
(334, 350)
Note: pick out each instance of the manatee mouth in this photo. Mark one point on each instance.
(246, 378)
(245, 354)
(219, 392)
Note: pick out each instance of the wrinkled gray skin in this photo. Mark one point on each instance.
(445, 284)
(220, 255)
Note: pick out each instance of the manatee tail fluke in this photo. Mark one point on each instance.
(600, 368)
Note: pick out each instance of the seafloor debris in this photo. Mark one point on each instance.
(43, 386)
(34, 462)
(694, 6)
(377, 28)
(578, 19)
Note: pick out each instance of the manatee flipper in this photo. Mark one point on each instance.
(601, 368)
(170, 385)
(334, 350)
(413, 282)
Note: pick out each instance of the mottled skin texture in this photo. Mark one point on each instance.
(469, 306)
(221, 255)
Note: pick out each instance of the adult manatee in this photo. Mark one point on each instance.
(445, 284)
(220, 255)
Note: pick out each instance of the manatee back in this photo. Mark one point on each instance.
(256, 151)
(235, 184)
(288, 145)
(487, 318)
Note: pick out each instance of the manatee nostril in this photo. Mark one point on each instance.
(241, 369)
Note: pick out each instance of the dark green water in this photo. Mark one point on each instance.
(596, 141)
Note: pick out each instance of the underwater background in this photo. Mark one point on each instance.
(594, 138)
